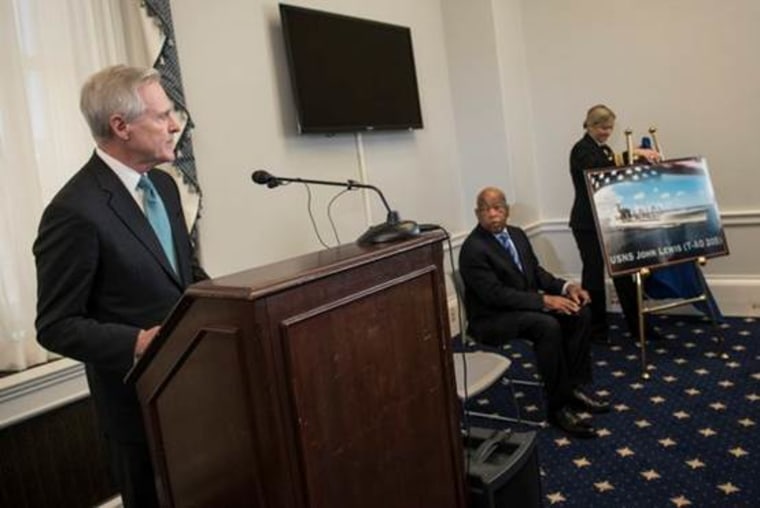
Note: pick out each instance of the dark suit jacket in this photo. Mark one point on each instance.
(586, 154)
(102, 276)
(493, 282)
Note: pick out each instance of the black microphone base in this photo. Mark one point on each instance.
(389, 232)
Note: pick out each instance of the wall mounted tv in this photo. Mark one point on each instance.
(350, 74)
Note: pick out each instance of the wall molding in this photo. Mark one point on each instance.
(730, 219)
(40, 389)
(45, 387)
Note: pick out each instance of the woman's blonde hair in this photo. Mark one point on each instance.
(598, 115)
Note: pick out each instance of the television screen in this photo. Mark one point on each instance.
(350, 74)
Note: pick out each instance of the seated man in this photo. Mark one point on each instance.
(509, 295)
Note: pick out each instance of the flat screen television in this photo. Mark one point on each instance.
(350, 74)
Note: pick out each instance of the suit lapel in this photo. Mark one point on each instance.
(125, 208)
(502, 253)
(524, 250)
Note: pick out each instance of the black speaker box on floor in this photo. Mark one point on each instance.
(503, 469)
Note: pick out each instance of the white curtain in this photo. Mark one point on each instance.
(47, 49)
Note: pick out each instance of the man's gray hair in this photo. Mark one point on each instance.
(114, 90)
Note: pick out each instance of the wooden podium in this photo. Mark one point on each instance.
(322, 381)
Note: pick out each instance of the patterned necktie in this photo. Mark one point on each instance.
(507, 243)
(155, 211)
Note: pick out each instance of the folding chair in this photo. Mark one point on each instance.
(484, 368)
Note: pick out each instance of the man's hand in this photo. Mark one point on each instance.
(578, 294)
(561, 304)
(144, 338)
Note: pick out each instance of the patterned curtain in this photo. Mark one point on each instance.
(162, 45)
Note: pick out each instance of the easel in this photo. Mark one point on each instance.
(651, 309)
(643, 273)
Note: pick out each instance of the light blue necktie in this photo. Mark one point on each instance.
(155, 211)
(507, 243)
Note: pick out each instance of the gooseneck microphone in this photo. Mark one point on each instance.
(391, 230)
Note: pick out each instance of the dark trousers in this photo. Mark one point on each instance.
(592, 279)
(133, 472)
(561, 343)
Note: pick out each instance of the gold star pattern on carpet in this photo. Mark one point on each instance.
(695, 463)
(728, 488)
(603, 486)
(650, 475)
(684, 436)
(680, 501)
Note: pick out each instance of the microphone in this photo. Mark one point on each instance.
(393, 229)
(646, 142)
(265, 178)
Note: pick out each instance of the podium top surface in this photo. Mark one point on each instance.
(260, 282)
(256, 282)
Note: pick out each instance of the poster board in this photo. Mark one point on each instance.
(655, 215)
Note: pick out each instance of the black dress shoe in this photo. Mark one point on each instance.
(589, 403)
(572, 424)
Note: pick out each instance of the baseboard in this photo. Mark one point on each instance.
(735, 297)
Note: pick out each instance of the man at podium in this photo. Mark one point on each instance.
(509, 295)
(113, 257)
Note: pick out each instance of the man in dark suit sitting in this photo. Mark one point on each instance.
(509, 295)
(114, 256)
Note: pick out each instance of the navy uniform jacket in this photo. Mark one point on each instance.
(102, 276)
(586, 154)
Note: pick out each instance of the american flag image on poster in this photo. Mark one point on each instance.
(654, 215)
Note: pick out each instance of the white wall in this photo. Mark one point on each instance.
(689, 67)
(237, 85)
(504, 87)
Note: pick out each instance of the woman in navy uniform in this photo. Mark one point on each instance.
(592, 152)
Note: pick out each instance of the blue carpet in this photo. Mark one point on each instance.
(685, 437)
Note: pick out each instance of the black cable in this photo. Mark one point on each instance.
(311, 216)
(466, 424)
(329, 212)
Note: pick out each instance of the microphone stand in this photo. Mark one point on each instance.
(393, 229)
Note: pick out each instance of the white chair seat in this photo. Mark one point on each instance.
(483, 370)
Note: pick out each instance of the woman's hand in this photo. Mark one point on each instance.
(650, 155)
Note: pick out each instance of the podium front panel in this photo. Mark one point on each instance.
(331, 386)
